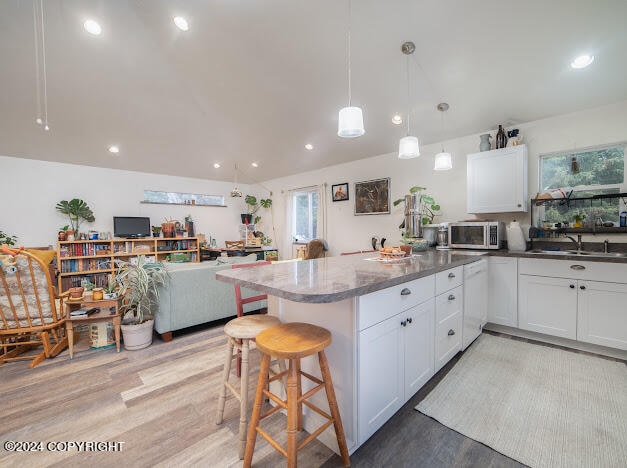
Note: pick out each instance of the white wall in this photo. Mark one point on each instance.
(31, 189)
(346, 232)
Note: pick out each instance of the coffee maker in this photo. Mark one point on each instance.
(442, 238)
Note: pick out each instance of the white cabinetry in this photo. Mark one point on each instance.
(497, 180)
(449, 308)
(563, 298)
(395, 350)
(475, 300)
(503, 291)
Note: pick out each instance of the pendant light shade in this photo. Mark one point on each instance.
(408, 148)
(350, 122)
(443, 162)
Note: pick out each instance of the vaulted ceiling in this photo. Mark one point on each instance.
(254, 81)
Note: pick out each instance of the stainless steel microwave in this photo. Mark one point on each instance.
(476, 235)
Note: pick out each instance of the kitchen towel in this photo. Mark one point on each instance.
(542, 406)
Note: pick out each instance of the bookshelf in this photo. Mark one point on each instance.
(94, 260)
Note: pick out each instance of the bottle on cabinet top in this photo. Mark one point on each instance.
(501, 138)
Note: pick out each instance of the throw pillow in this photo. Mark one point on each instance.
(46, 256)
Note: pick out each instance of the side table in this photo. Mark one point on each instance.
(110, 311)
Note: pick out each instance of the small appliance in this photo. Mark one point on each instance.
(476, 235)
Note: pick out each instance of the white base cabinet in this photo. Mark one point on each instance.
(602, 314)
(448, 325)
(503, 291)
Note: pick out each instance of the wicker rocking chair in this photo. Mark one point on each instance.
(28, 311)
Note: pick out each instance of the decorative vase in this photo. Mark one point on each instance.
(484, 145)
(246, 218)
(61, 235)
(168, 229)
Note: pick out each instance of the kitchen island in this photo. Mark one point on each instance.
(383, 318)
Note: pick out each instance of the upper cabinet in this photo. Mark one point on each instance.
(497, 180)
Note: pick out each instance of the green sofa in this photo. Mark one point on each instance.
(194, 296)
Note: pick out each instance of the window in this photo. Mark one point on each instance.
(305, 214)
(595, 171)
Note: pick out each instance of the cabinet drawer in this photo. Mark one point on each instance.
(596, 271)
(448, 279)
(380, 305)
(448, 339)
(449, 304)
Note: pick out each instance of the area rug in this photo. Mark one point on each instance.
(541, 406)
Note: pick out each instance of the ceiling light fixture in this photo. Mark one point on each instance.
(350, 119)
(254, 164)
(397, 119)
(40, 68)
(408, 146)
(216, 165)
(308, 146)
(582, 61)
(114, 149)
(236, 192)
(181, 23)
(92, 27)
(443, 160)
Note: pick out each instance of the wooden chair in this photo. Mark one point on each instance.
(28, 310)
(234, 245)
(315, 249)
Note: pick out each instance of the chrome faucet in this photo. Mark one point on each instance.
(577, 242)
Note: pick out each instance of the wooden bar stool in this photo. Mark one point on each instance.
(240, 332)
(294, 341)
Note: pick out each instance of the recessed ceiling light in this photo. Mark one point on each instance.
(216, 165)
(254, 164)
(308, 146)
(114, 149)
(397, 119)
(181, 23)
(582, 61)
(92, 27)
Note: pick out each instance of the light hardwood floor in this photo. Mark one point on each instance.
(161, 403)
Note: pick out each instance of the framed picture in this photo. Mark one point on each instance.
(339, 192)
(372, 197)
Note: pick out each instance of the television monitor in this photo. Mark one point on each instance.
(131, 226)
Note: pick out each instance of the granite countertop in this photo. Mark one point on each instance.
(333, 279)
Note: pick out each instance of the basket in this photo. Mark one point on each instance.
(253, 242)
(399, 254)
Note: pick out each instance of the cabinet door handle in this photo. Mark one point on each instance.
(451, 275)
(451, 332)
(582, 287)
(405, 292)
(577, 267)
(572, 286)
(409, 320)
(404, 323)
(451, 297)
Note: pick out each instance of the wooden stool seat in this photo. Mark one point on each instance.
(249, 326)
(240, 332)
(293, 341)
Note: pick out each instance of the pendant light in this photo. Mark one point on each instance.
(40, 68)
(408, 146)
(443, 160)
(350, 120)
(236, 192)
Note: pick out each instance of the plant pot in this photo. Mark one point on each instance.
(112, 295)
(246, 218)
(76, 292)
(137, 336)
(61, 235)
(167, 229)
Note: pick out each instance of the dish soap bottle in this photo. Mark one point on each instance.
(501, 139)
(515, 238)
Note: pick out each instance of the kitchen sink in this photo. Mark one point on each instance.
(582, 253)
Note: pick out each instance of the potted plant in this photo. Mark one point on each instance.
(7, 239)
(429, 210)
(156, 231)
(62, 235)
(252, 207)
(111, 289)
(77, 211)
(578, 218)
(139, 285)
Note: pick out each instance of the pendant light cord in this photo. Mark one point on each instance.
(408, 94)
(349, 52)
(43, 50)
(37, 74)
